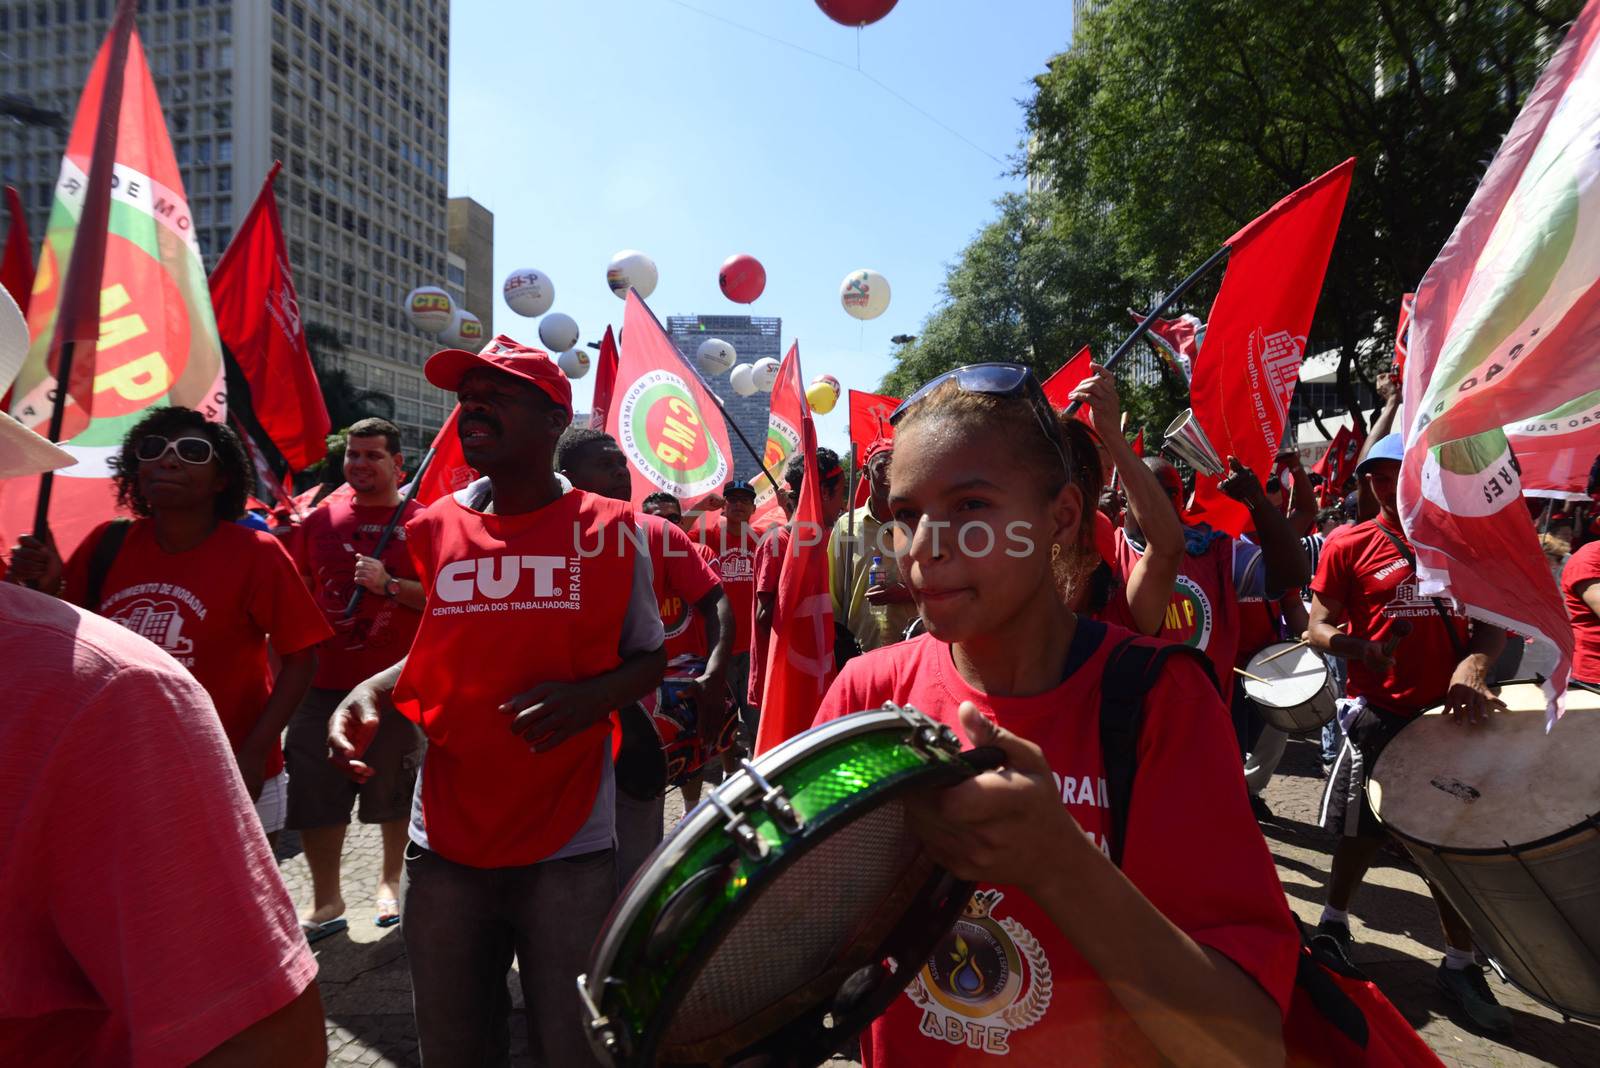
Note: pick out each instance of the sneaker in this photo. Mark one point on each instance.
(1262, 810)
(1336, 934)
(1468, 990)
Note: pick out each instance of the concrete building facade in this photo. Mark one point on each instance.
(469, 268)
(752, 337)
(349, 94)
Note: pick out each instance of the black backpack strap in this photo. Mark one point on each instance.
(1438, 604)
(100, 561)
(1132, 668)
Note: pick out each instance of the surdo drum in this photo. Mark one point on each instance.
(788, 909)
(1505, 819)
(1297, 694)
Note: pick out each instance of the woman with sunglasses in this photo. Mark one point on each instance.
(1186, 953)
(212, 593)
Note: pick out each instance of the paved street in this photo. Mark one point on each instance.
(367, 994)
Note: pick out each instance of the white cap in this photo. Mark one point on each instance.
(22, 452)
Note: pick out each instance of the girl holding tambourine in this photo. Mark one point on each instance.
(1186, 953)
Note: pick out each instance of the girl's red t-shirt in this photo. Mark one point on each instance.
(214, 608)
(1005, 982)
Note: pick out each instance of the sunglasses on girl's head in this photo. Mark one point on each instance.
(189, 450)
(998, 380)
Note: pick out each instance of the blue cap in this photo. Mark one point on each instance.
(1388, 447)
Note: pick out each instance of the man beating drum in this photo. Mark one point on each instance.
(1400, 648)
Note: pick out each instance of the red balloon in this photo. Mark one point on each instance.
(742, 278)
(856, 12)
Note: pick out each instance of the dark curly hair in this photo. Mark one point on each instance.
(232, 461)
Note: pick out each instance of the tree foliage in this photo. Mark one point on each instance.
(1171, 123)
(345, 401)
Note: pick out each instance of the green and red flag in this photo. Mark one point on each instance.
(1505, 325)
(1555, 450)
(786, 412)
(156, 339)
(664, 419)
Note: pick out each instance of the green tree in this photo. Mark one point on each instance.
(346, 402)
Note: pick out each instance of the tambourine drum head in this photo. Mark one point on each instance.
(1292, 678)
(1462, 787)
(842, 893)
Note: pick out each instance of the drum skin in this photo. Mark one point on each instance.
(1296, 695)
(1502, 818)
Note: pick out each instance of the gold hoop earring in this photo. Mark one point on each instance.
(1055, 552)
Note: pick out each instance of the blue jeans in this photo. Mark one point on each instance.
(463, 925)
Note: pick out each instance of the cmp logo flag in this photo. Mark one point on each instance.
(665, 437)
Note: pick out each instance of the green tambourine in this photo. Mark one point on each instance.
(788, 909)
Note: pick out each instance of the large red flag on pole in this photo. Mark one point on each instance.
(155, 340)
(799, 661)
(1059, 386)
(16, 262)
(786, 411)
(666, 422)
(605, 380)
(1256, 334)
(258, 321)
(869, 420)
(1506, 321)
(1556, 449)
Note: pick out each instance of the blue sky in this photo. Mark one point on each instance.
(592, 127)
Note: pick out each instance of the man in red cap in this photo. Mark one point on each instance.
(540, 620)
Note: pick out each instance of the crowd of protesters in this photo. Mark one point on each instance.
(516, 760)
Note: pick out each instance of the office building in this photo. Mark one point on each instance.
(469, 266)
(349, 94)
(752, 338)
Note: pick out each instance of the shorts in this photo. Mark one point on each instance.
(271, 806)
(321, 794)
(1345, 809)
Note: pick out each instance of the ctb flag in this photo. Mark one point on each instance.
(1506, 322)
(665, 420)
(1256, 334)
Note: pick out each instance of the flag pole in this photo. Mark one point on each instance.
(80, 300)
(850, 530)
(1155, 313)
(389, 527)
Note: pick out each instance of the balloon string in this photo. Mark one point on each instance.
(858, 48)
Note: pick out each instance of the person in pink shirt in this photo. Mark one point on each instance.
(141, 925)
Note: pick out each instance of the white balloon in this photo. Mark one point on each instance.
(574, 363)
(864, 294)
(764, 373)
(558, 331)
(714, 356)
(630, 267)
(741, 381)
(464, 332)
(430, 308)
(529, 292)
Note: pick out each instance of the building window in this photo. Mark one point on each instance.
(224, 150)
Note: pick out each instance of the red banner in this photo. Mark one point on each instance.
(258, 320)
(605, 380)
(1556, 449)
(1176, 341)
(1256, 334)
(1059, 386)
(448, 471)
(787, 411)
(667, 424)
(800, 651)
(16, 263)
(1338, 463)
(1402, 332)
(869, 420)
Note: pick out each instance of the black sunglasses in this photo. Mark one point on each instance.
(190, 450)
(998, 380)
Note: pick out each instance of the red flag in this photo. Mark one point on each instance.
(1554, 450)
(1059, 386)
(1177, 341)
(869, 420)
(16, 263)
(1256, 334)
(799, 664)
(605, 381)
(1331, 466)
(1506, 319)
(788, 409)
(669, 426)
(258, 321)
(1138, 443)
(1402, 332)
(448, 471)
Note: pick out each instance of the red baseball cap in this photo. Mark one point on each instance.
(447, 367)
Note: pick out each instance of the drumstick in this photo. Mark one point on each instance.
(1302, 643)
(1252, 678)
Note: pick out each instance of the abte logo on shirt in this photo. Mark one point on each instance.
(486, 584)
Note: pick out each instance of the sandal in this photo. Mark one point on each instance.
(316, 932)
(388, 912)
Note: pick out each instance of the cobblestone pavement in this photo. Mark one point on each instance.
(367, 995)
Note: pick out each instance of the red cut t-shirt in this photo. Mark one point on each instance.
(736, 559)
(214, 608)
(1364, 572)
(1005, 981)
(682, 571)
(325, 548)
(513, 601)
(1204, 609)
(1581, 567)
